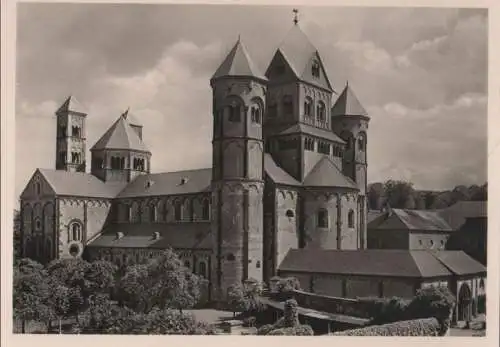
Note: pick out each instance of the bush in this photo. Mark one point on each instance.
(418, 327)
(301, 330)
(386, 310)
(249, 322)
(265, 329)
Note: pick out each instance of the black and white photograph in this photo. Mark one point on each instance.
(244, 169)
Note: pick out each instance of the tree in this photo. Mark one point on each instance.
(375, 196)
(164, 282)
(286, 286)
(237, 300)
(60, 301)
(30, 292)
(399, 194)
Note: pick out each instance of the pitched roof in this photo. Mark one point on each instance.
(71, 105)
(79, 184)
(277, 174)
(169, 183)
(131, 119)
(301, 128)
(181, 236)
(238, 63)
(369, 262)
(456, 214)
(120, 136)
(459, 262)
(422, 220)
(298, 51)
(347, 104)
(326, 174)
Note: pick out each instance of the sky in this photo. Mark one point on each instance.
(420, 73)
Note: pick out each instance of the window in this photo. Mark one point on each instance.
(309, 144)
(187, 264)
(76, 231)
(320, 112)
(257, 264)
(206, 209)
(230, 257)
(315, 70)
(74, 250)
(308, 107)
(350, 219)
(420, 242)
(75, 158)
(38, 225)
(272, 110)
(202, 269)
(431, 242)
(178, 210)
(255, 114)
(287, 106)
(290, 214)
(75, 131)
(98, 163)
(117, 163)
(323, 147)
(138, 164)
(361, 143)
(37, 188)
(234, 113)
(322, 218)
(128, 210)
(152, 213)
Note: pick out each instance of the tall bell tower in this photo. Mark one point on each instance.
(70, 133)
(239, 91)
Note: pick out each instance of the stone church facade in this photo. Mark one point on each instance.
(289, 171)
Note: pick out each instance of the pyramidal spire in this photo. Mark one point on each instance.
(238, 63)
(348, 104)
(71, 105)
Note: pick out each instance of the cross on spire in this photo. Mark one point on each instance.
(296, 16)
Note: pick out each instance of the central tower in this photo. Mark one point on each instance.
(239, 91)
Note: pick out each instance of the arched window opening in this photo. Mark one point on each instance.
(320, 112)
(178, 210)
(74, 250)
(287, 106)
(38, 188)
(206, 209)
(322, 218)
(152, 213)
(350, 219)
(361, 143)
(38, 225)
(256, 116)
(234, 113)
(76, 231)
(187, 264)
(308, 110)
(290, 214)
(257, 264)
(315, 70)
(75, 131)
(431, 243)
(309, 144)
(202, 269)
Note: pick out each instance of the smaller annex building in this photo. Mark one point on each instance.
(388, 273)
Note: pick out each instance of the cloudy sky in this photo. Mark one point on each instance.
(420, 73)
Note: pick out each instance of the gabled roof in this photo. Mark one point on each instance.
(301, 128)
(238, 64)
(299, 52)
(180, 236)
(169, 183)
(79, 184)
(421, 220)
(120, 136)
(277, 174)
(369, 262)
(71, 105)
(326, 174)
(348, 104)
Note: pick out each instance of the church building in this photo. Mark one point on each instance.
(289, 171)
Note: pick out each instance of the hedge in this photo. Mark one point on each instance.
(417, 327)
(301, 330)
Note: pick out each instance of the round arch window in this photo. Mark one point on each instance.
(290, 214)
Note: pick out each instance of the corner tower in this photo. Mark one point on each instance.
(350, 121)
(239, 91)
(70, 133)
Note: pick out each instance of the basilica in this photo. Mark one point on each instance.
(289, 171)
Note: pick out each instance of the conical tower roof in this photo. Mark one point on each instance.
(71, 105)
(120, 136)
(131, 119)
(348, 104)
(238, 63)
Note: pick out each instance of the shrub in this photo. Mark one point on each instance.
(386, 310)
(418, 327)
(265, 329)
(249, 322)
(301, 330)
